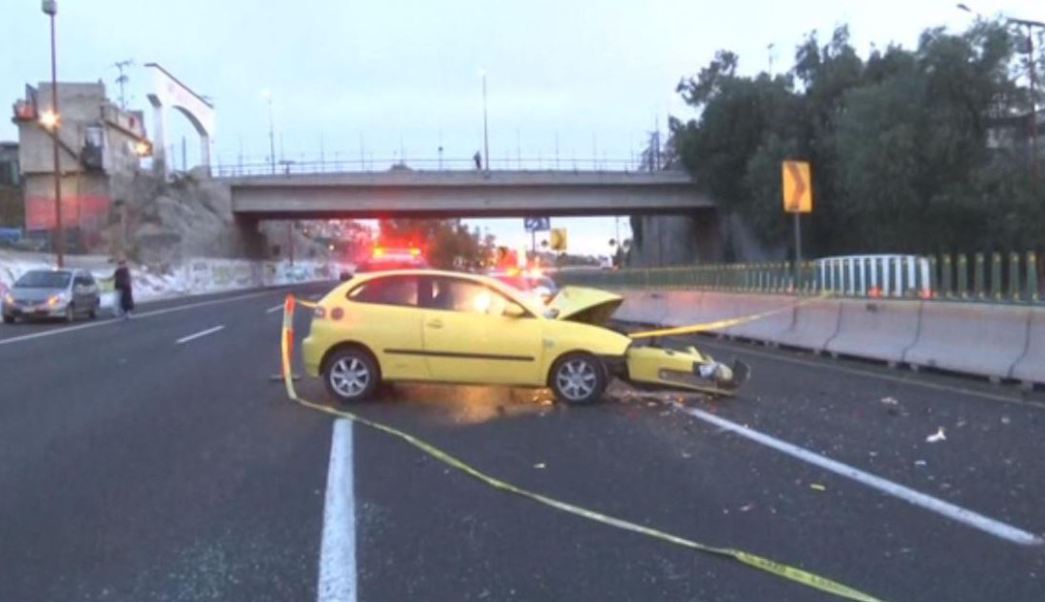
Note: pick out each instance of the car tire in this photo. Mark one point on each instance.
(93, 314)
(578, 379)
(351, 375)
(70, 313)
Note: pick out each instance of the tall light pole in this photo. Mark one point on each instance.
(267, 95)
(1031, 63)
(50, 8)
(486, 132)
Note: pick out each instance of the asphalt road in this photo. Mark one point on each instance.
(134, 467)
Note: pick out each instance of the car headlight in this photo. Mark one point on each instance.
(58, 299)
(8, 299)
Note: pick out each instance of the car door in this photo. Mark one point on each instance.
(81, 291)
(470, 336)
(91, 291)
(384, 314)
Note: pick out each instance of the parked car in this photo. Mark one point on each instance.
(62, 294)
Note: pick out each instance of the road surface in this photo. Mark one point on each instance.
(155, 459)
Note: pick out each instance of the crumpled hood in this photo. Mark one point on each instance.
(588, 305)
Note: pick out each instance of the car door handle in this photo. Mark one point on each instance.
(434, 323)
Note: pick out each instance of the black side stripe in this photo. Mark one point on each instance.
(467, 356)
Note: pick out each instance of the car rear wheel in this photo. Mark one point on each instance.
(578, 378)
(70, 313)
(351, 375)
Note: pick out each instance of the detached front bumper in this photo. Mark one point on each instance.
(682, 369)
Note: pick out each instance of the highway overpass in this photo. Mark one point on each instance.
(409, 193)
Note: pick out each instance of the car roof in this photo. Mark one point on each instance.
(480, 278)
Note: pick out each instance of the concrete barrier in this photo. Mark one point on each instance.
(642, 307)
(816, 323)
(682, 308)
(768, 328)
(973, 338)
(1030, 368)
(876, 330)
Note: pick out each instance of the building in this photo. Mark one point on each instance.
(97, 141)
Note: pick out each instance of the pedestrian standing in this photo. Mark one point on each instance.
(122, 284)
(478, 158)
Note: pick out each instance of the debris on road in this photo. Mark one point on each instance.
(746, 507)
(817, 487)
(890, 401)
(919, 463)
(1005, 420)
(937, 436)
(539, 466)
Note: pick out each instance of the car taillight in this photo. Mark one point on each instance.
(319, 312)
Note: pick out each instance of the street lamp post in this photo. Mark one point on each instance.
(272, 132)
(1032, 65)
(486, 134)
(50, 8)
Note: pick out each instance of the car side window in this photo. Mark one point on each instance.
(394, 290)
(452, 294)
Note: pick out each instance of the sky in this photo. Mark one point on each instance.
(397, 80)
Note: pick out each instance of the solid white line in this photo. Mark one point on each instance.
(202, 333)
(337, 554)
(137, 316)
(274, 309)
(951, 511)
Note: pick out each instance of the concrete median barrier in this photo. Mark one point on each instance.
(974, 338)
(682, 308)
(768, 328)
(1030, 368)
(642, 307)
(876, 330)
(816, 323)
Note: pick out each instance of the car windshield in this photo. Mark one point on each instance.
(43, 279)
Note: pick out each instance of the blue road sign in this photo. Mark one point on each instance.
(537, 224)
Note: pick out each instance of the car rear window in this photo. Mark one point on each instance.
(43, 279)
(399, 290)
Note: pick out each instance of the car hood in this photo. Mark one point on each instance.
(588, 305)
(34, 295)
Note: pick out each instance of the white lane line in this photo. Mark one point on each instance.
(202, 333)
(137, 316)
(274, 309)
(951, 511)
(337, 554)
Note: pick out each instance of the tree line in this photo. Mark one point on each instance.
(918, 150)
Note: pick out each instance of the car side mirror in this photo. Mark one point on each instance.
(551, 313)
(514, 311)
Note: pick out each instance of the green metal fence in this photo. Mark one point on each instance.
(985, 277)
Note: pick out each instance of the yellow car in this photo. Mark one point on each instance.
(449, 327)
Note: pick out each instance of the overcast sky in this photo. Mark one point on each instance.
(396, 78)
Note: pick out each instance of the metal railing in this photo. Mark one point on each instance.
(371, 164)
(983, 277)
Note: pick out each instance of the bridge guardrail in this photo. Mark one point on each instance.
(979, 277)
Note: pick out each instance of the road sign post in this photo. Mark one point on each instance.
(534, 225)
(798, 199)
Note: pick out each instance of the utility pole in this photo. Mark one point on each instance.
(272, 132)
(50, 8)
(122, 80)
(486, 130)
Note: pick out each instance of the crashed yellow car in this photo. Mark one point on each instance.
(448, 327)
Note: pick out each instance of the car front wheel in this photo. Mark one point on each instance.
(578, 378)
(351, 375)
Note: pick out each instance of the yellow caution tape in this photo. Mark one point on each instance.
(719, 324)
(763, 564)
